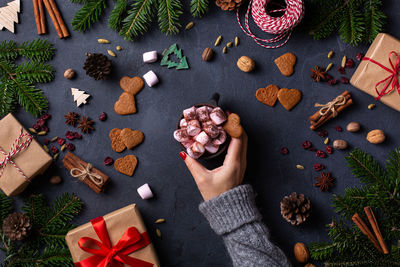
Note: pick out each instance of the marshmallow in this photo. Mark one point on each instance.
(198, 148)
(218, 116)
(221, 138)
(202, 114)
(190, 113)
(145, 192)
(209, 109)
(150, 57)
(211, 148)
(150, 78)
(212, 130)
(188, 143)
(193, 128)
(181, 135)
(202, 138)
(193, 154)
(183, 123)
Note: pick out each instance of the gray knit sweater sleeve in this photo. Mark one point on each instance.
(235, 217)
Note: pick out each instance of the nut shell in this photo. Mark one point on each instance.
(208, 54)
(376, 136)
(246, 64)
(353, 127)
(340, 144)
(301, 253)
(69, 74)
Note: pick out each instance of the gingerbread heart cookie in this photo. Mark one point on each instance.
(232, 126)
(126, 165)
(131, 138)
(285, 63)
(268, 95)
(131, 85)
(289, 98)
(125, 105)
(117, 143)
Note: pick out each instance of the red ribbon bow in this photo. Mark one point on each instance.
(393, 78)
(113, 256)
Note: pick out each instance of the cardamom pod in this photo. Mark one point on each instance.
(46, 148)
(160, 221)
(103, 41)
(224, 50)
(42, 133)
(55, 138)
(326, 141)
(371, 106)
(32, 130)
(330, 65)
(218, 41)
(55, 157)
(330, 54)
(189, 25)
(229, 44)
(63, 147)
(300, 167)
(119, 48)
(158, 232)
(111, 53)
(344, 60)
(236, 41)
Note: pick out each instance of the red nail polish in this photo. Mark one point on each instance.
(183, 155)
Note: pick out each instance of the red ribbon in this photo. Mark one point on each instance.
(392, 79)
(113, 256)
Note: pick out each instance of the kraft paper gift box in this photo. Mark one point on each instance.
(29, 161)
(117, 224)
(370, 74)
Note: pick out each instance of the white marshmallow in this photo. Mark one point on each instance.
(198, 148)
(218, 116)
(145, 192)
(183, 123)
(193, 154)
(181, 135)
(193, 128)
(202, 138)
(150, 57)
(188, 143)
(150, 78)
(211, 148)
(221, 138)
(202, 114)
(190, 113)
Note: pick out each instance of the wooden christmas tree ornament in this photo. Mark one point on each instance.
(9, 15)
(79, 96)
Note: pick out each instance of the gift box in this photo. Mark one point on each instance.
(117, 239)
(21, 157)
(378, 72)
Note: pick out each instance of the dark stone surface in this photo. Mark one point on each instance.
(187, 239)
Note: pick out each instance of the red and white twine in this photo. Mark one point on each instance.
(18, 146)
(280, 26)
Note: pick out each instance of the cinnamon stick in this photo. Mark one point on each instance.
(374, 224)
(42, 17)
(58, 16)
(53, 18)
(317, 115)
(71, 161)
(364, 229)
(324, 119)
(37, 16)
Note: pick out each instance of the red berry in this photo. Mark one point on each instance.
(70, 135)
(341, 70)
(338, 128)
(46, 141)
(328, 77)
(108, 161)
(332, 82)
(45, 128)
(36, 127)
(77, 135)
(359, 56)
(61, 141)
(46, 117)
(306, 145)
(344, 80)
(323, 133)
(70, 147)
(284, 151)
(329, 149)
(40, 122)
(318, 167)
(350, 63)
(53, 149)
(103, 116)
(320, 154)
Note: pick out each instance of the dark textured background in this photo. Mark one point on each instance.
(187, 238)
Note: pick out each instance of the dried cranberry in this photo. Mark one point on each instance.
(306, 145)
(323, 133)
(103, 116)
(328, 77)
(77, 135)
(45, 128)
(333, 82)
(338, 128)
(284, 150)
(53, 149)
(350, 63)
(36, 127)
(320, 154)
(70, 147)
(70, 135)
(344, 80)
(108, 161)
(46, 117)
(61, 141)
(40, 122)
(341, 70)
(46, 141)
(318, 167)
(329, 149)
(359, 56)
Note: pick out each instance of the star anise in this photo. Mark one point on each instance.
(318, 74)
(325, 181)
(71, 118)
(85, 124)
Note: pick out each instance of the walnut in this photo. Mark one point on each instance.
(246, 64)
(376, 136)
(301, 253)
(69, 74)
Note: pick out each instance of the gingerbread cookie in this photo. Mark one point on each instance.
(126, 165)
(232, 126)
(117, 143)
(268, 95)
(125, 105)
(131, 85)
(289, 98)
(131, 138)
(285, 63)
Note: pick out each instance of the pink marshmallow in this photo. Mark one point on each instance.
(202, 114)
(198, 148)
(211, 130)
(193, 154)
(145, 192)
(190, 113)
(211, 148)
(150, 57)
(218, 116)
(202, 138)
(188, 143)
(150, 78)
(193, 127)
(183, 123)
(221, 138)
(181, 135)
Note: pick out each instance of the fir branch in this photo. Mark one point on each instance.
(139, 19)
(88, 14)
(35, 72)
(79, 1)
(375, 20)
(115, 19)
(199, 7)
(7, 97)
(352, 27)
(38, 50)
(36, 208)
(169, 12)
(5, 207)
(8, 50)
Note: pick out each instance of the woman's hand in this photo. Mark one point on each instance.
(212, 183)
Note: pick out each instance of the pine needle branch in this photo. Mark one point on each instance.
(7, 97)
(115, 19)
(35, 72)
(169, 12)
(38, 50)
(88, 14)
(8, 50)
(5, 206)
(199, 7)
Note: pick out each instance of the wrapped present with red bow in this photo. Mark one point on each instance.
(117, 239)
(379, 70)
(22, 158)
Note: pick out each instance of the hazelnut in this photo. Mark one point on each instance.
(208, 54)
(246, 64)
(353, 127)
(69, 74)
(55, 179)
(301, 253)
(376, 136)
(340, 144)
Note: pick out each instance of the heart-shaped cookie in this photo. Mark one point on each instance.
(131, 85)
(126, 165)
(125, 104)
(268, 95)
(232, 126)
(285, 63)
(131, 138)
(117, 144)
(289, 97)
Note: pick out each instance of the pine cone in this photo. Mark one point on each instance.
(97, 66)
(228, 4)
(295, 208)
(16, 226)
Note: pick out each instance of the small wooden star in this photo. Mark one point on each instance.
(325, 181)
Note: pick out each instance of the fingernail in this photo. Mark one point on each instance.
(183, 155)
